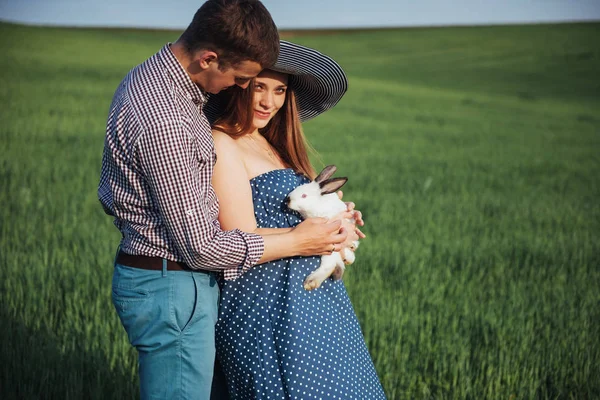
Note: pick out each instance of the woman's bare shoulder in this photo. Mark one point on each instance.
(223, 142)
(221, 136)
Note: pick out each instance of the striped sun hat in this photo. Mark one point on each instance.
(317, 81)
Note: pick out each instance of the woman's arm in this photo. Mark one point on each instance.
(232, 186)
(315, 236)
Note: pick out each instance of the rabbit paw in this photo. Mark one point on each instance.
(311, 283)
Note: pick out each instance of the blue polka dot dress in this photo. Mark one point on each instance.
(276, 340)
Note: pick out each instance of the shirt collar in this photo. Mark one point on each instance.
(181, 78)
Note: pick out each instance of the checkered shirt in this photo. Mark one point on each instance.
(156, 173)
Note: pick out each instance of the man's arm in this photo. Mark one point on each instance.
(178, 178)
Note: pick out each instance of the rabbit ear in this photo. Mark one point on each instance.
(327, 172)
(332, 185)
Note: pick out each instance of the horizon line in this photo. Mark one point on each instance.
(314, 29)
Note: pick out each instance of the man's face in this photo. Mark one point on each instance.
(241, 74)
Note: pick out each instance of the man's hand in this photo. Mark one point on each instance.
(318, 236)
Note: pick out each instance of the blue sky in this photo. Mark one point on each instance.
(302, 13)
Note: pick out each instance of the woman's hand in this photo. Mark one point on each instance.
(349, 226)
(353, 214)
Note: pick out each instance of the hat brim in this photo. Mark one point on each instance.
(316, 79)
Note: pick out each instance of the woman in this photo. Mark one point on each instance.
(275, 339)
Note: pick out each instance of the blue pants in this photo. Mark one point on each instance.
(170, 318)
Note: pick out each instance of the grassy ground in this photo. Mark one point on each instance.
(473, 153)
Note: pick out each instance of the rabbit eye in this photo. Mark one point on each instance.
(304, 196)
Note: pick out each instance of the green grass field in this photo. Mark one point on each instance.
(474, 154)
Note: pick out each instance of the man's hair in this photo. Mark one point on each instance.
(237, 30)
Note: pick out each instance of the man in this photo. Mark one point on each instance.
(156, 172)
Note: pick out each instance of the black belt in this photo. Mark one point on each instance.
(151, 263)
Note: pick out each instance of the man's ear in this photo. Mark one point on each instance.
(205, 58)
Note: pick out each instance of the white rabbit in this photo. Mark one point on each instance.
(318, 199)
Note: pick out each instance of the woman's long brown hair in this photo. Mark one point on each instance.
(283, 132)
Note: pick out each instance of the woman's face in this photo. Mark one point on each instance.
(269, 96)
